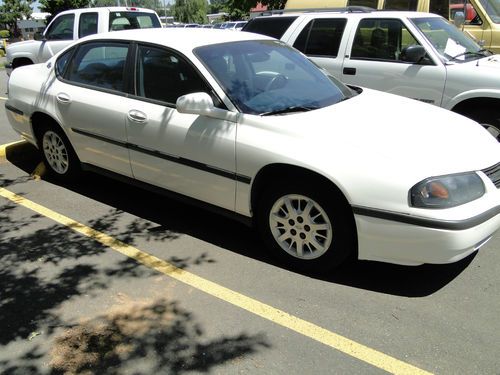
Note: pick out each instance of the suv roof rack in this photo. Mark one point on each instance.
(348, 9)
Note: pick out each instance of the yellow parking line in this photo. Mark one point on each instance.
(303, 327)
(2, 98)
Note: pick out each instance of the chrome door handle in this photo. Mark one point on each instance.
(63, 98)
(137, 116)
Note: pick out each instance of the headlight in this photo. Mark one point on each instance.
(447, 191)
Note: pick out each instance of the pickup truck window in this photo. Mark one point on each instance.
(274, 27)
(132, 20)
(61, 28)
(381, 39)
(321, 37)
(88, 24)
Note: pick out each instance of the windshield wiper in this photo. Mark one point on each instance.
(482, 53)
(294, 108)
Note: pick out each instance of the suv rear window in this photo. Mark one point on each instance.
(132, 20)
(274, 27)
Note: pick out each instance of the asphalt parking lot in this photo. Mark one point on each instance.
(102, 277)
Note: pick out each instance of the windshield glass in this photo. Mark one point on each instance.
(492, 7)
(268, 77)
(451, 43)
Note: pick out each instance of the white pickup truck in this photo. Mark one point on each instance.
(417, 55)
(74, 24)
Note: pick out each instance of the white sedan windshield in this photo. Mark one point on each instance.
(269, 77)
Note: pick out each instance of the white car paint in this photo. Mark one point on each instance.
(374, 147)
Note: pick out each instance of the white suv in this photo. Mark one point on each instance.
(417, 55)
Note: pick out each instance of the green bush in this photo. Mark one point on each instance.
(4, 34)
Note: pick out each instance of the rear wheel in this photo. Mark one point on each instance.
(310, 229)
(58, 154)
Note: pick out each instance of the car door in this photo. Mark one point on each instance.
(89, 96)
(377, 60)
(322, 40)
(59, 34)
(187, 154)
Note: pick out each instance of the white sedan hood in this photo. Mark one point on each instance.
(408, 135)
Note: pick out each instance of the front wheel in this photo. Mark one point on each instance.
(311, 230)
(58, 154)
(489, 118)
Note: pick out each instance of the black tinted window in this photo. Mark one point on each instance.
(401, 4)
(274, 27)
(321, 37)
(164, 76)
(61, 28)
(132, 20)
(62, 62)
(87, 25)
(100, 65)
(363, 3)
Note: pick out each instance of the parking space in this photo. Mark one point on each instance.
(98, 275)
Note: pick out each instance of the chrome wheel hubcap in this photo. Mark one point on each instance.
(55, 152)
(300, 226)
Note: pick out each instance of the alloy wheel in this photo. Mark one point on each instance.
(300, 226)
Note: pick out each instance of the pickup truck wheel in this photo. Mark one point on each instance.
(307, 228)
(58, 154)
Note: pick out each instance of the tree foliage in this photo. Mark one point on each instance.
(57, 6)
(13, 10)
(191, 11)
(240, 9)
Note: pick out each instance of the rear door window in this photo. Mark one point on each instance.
(87, 25)
(100, 64)
(274, 27)
(321, 37)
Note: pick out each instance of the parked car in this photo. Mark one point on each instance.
(234, 25)
(417, 55)
(71, 25)
(248, 126)
(482, 17)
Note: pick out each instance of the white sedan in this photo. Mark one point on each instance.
(247, 125)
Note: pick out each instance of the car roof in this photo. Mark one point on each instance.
(110, 9)
(343, 13)
(182, 39)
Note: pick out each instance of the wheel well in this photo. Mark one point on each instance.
(470, 106)
(21, 61)
(276, 173)
(38, 121)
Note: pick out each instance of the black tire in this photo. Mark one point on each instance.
(58, 155)
(322, 250)
(489, 118)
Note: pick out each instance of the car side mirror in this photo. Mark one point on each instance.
(200, 103)
(459, 19)
(414, 53)
(38, 36)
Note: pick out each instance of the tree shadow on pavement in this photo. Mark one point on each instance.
(46, 265)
